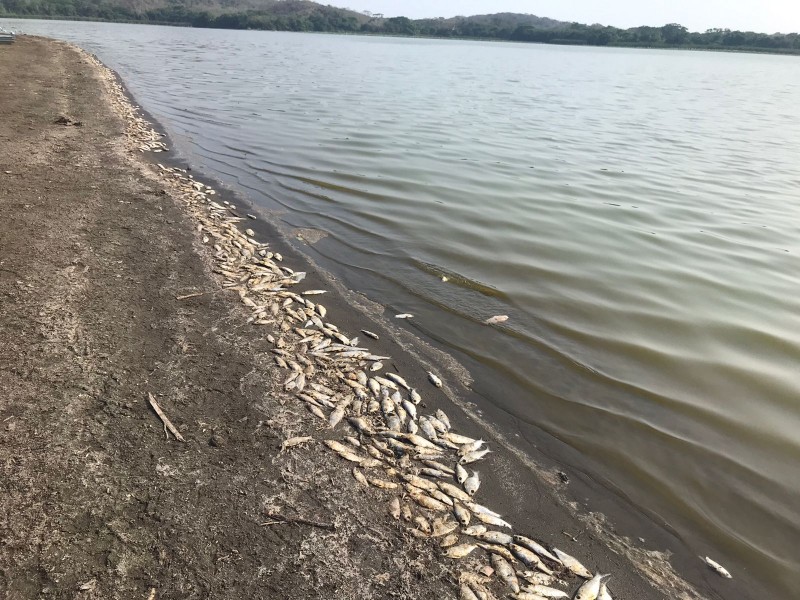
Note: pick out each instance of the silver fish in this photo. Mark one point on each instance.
(572, 564)
(472, 484)
(495, 537)
(721, 571)
(461, 513)
(604, 593)
(547, 592)
(398, 380)
(474, 530)
(414, 395)
(434, 380)
(443, 418)
(374, 336)
(529, 558)
(473, 456)
(591, 589)
(461, 474)
(460, 551)
(505, 572)
(536, 547)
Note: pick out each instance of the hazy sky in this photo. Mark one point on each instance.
(767, 16)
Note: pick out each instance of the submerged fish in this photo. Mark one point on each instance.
(496, 319)
(722, 571)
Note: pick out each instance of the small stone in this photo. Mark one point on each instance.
(215, 441)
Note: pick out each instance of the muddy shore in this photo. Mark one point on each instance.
(98, 502)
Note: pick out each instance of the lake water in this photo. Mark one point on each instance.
(634, 212)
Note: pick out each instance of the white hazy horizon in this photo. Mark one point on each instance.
(764, 16)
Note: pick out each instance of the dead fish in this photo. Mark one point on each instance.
(426, 501)
(313, 292)
(441, 497)
(398, 380)
(435, 473)
(529, 558)
(414, 396)
(472, 484)
(591, 589)
(499, 550)
(466, 593)
(362, 426)
(441, 528)
(461, 513)
(376, 366)
(495, 537)
(404, 316)
(572, 564)
(437, 465)
(721, 571)
(457, 439)
(428, 429)
(434, 380)
(474, 530)
(604, 593)
(479, 509)
(505, 572)
(394, 508)
(461, 474)
(412, 426)
(547, 592)
(453, 491)
(473, 456)
(496, 319)
(535, 578)
(295, 441)
(440, 414)
(460, 551)
(536, 547)
(382, 484)
(336, 416)
(471, 447)
(448, 541)
(374, 336)
(410, 409)
(423, 524)
(359, 477)
(490, 520)
(528, 596)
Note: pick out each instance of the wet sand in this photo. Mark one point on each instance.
(97, 245)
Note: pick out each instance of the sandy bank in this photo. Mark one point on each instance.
(119, 279)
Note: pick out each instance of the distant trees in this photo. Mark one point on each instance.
(300, 15)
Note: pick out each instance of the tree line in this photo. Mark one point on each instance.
(321, 18)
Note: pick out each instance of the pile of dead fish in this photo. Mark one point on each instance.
(415, 458)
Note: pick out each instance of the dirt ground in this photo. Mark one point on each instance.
(95, 500)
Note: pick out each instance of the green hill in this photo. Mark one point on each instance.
(303, 15)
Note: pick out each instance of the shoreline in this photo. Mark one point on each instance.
(339, 304)
(420, 355)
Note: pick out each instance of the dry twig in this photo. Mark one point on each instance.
(167, 423)
(279, 518)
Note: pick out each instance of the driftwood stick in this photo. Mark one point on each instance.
(167, 423)
(187, 296)
(299, 520)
